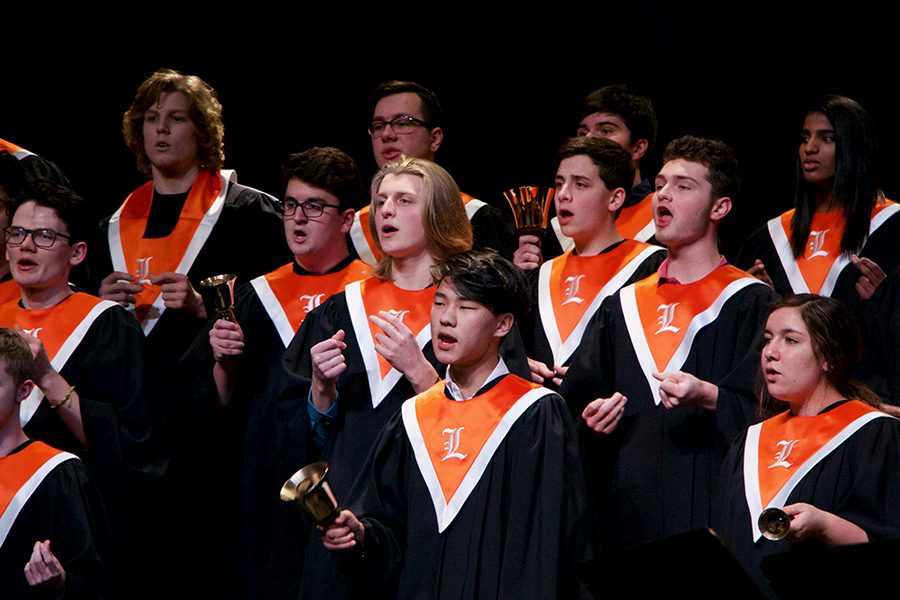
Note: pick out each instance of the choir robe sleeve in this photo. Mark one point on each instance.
(295, 442)
(533, 334)
(67, 510)
(858, 481)
(520, 534)
(655, 475)
(881, 336)
(492, 229)
(107, 370)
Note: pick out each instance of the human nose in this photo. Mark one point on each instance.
(447, 317)
(810, 146)
(563, 193)
(663, 193)
(770, 351)
(28, 241)
(386, 208)
(387, 132)
(299, 215)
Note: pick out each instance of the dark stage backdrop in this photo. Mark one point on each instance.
(290, 79)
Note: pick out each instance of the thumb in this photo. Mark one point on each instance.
(338, 336)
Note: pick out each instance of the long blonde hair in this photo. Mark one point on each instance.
(447, 228)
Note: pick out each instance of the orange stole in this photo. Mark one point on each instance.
(823, 248)
(9, 146)
(16, 469)
(362, 227)
(664, 325)
(9, 291)
(632, 219)
(473, 420)
(299, 294)
(167, 252)
(786, 442)
(54, 324)
(576, 280)
(413, 305)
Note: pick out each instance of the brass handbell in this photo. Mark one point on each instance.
(222, 287)
(530, 206)
(774, 523)
(309, 487)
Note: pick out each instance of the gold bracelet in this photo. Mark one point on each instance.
(62, 403)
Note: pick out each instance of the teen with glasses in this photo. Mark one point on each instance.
(89, 395)
(407, 121)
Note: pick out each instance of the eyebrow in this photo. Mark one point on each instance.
(785, 330)
(392, 117)
(807, 131)
(678, 178)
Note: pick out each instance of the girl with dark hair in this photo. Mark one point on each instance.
(830, 461)
(841, 236)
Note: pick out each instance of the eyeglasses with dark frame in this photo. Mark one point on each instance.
(402, 125)
(42, 238)
(310, 209)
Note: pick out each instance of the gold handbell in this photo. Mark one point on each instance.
(222, 287)
(530, 206)
(774, 523)
(309, 487)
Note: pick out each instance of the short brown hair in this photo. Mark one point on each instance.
(715, 155)
(205, 113)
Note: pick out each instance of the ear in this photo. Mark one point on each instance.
(24, 390)
(720, 208)
(639, 149)
(616, 200)
(347, 220)
(505, 323)
(79, 253)
(437, 137)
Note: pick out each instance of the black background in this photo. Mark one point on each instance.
(296, 77)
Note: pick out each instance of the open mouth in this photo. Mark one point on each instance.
(565, 214)
(445, 341)
(663, 216)
(25, 264)
(388, 230)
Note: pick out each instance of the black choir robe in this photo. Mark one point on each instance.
(519, 534)
(654, 476)
(246, 240)
(66, 509)
(122, 455)
(880, 367)
(858, 481)
(357, 424)
(882, 247)
(270, 541)
(533, 328)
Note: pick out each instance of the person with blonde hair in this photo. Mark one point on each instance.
(363, 352)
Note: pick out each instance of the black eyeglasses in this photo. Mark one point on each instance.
(310, 209)
(401, 125)
(42, 238)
